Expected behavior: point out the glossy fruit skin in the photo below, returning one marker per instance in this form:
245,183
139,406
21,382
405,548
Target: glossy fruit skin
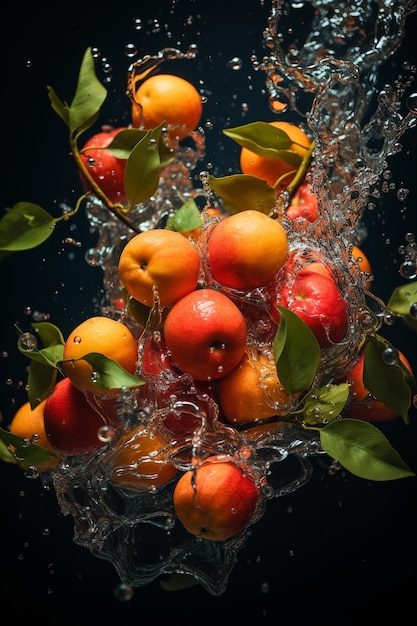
28,422
161,260
252,391
269,169
246,250
167,98
71,424
216,501
317,300
105,336
304,204
364,264
205,334
140,461
106,170
364,406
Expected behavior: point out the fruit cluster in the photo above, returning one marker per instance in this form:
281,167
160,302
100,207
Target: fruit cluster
225,325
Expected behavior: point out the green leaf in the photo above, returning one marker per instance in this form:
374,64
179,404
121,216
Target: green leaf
402,300
265,140
109,374
325,404
139,311
5,455
296,352
363,450
49,333
124,142
388,383
241,192
31,454
89,96
186,218
41,380
177,582
141,177
61,108
25,226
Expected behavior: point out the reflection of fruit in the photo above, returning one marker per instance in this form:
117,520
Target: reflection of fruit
215,501
71,424
206,334
304,204
317,299
246,250
167,98
365,407
30,424
98,334
104,168
141,461
159,263
272,170
252,391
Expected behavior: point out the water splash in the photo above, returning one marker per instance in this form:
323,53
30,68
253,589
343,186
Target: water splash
331,76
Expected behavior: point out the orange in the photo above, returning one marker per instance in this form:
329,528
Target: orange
271,170
159,263
246,250
364,406
98,334
141,461
363,262
170,99
216,500
29,424
252,391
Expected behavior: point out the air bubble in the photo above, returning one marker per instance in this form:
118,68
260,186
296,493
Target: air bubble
390,356
408,269
123,592
28,341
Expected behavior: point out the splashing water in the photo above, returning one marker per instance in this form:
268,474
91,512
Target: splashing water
332,77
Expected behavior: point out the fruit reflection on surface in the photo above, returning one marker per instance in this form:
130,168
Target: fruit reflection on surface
206,334
170,99
103,335
272,170
246,250
105,169
216,500
30,425
159,263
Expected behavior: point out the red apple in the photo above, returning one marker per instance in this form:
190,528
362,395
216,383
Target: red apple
105,169
304,204
317,299
205,334
71,423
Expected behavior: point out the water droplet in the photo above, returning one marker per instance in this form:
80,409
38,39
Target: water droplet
408,269
123,592
235,63
106,433
412,103
28,341
131,50
413,310
390,355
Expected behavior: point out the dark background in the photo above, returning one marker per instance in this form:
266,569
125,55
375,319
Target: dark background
338,550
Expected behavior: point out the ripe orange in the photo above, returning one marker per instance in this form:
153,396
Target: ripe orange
159,263
364,406
363,262
167,98
272,170
205,334
216,500
252,391
246,250
29,424
141,461
98,334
